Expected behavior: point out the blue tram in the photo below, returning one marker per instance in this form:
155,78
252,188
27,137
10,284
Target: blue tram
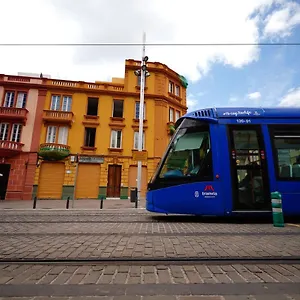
227,161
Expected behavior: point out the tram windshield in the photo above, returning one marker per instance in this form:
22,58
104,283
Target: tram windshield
188,157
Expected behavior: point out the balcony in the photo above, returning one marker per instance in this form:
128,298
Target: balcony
8,148
56,116
53,152
13,114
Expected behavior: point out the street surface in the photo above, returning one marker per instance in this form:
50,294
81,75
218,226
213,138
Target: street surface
131,254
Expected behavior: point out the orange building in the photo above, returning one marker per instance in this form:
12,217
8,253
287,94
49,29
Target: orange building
85,133
21,104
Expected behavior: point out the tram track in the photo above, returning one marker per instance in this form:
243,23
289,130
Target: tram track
153,234
155,261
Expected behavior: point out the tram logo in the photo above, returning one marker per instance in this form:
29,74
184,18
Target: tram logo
209,188
209,192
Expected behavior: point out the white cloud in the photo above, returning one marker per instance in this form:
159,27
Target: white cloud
281,22
168,21
254,96
292,98
192,102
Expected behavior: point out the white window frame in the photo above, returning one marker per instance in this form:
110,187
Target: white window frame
136,114
51,134
21,100
136,140
4,127
55,102
63,133
9,99
177,90
16,131
171,114
114,139
177,115
66,103
171,87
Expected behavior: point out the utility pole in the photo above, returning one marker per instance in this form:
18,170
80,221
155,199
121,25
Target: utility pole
142,73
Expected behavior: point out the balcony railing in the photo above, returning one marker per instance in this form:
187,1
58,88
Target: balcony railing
13,113
9,148
55,146
58,116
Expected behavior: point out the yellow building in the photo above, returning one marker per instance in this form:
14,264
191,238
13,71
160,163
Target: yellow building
90,132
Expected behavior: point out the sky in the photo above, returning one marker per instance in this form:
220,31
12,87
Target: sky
252,75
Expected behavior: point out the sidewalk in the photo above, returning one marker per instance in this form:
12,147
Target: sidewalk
75,204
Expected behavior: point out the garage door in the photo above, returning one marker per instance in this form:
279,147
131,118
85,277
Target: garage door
88,179
133,176
51,180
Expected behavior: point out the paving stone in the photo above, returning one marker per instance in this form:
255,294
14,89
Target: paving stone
202,298
159,298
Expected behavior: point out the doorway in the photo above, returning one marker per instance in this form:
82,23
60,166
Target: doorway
114,181
249,169
4,176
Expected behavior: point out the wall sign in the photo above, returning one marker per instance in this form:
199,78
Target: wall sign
91,159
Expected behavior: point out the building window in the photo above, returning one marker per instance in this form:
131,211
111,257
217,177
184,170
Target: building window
171,115
67,103
171,87
92,107
4,131
118,109
177,115
51,134
63,135
116,139
57,104
136,140
177,90
19,102
60,138
287,148
16,133
137,110
90,137
9,99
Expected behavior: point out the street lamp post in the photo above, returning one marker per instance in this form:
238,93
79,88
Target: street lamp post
143,74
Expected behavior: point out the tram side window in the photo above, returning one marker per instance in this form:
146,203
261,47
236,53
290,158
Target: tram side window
189,156
287,146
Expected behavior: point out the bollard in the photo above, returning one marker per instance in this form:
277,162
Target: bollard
278,220
68,203
34,202
101,203
136,199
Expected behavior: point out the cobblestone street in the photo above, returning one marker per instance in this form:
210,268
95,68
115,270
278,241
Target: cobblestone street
132,254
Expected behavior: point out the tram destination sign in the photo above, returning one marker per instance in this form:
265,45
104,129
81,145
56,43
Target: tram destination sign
91,159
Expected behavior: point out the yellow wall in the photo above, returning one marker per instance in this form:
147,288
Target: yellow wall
105,107
157,116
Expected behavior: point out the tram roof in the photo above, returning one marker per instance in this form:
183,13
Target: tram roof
213,114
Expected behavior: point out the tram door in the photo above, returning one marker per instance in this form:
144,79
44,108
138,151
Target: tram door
249,169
